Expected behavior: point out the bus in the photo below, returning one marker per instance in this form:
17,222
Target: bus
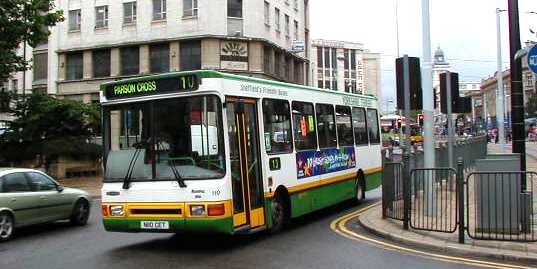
205,151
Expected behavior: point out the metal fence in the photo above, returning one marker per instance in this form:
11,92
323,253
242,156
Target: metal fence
392,191
470,149
499,206
433,203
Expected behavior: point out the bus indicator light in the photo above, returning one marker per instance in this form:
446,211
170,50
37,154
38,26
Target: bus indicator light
106,212
197,210
216,210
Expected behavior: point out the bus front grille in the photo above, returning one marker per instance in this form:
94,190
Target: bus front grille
153,211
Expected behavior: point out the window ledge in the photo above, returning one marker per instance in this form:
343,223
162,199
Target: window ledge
195,17
101,29
235,18
73,31
129,25
159,21
267,25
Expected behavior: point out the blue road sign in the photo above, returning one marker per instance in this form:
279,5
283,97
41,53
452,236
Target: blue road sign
532,59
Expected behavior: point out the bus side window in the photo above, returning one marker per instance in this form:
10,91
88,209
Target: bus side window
326,125
277,126
305,132
373,126
360,126
344,126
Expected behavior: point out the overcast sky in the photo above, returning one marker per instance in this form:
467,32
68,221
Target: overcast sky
464,29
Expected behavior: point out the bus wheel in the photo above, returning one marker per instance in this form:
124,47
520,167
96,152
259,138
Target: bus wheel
279,213
360,188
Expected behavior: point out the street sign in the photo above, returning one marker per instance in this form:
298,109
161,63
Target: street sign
532,59
298,46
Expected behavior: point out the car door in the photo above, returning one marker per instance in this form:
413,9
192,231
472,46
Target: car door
52,203
18,197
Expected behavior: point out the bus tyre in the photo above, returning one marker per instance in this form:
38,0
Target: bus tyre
80,214
360,189
7,226
279,213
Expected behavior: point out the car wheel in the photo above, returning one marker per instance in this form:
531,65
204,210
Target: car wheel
7,225
279,213
80,213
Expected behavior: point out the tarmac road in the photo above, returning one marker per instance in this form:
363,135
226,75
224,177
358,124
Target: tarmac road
307,243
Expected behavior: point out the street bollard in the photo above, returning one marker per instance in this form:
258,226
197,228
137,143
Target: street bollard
460,198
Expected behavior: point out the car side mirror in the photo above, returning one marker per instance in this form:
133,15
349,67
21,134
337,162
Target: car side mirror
59,188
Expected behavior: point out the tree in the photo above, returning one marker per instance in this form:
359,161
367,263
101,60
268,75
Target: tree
50,128
20,21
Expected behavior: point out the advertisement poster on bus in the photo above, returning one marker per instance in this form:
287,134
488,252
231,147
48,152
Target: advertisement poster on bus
314,163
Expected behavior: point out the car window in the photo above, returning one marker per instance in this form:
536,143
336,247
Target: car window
39,182
15,182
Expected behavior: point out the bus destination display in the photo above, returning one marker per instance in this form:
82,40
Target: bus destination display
149,87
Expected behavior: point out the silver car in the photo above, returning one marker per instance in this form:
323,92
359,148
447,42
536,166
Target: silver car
30,196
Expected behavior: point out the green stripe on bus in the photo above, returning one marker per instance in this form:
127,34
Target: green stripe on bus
220,225
373,181
314,199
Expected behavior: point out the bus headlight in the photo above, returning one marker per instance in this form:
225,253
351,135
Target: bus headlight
197,210
117,211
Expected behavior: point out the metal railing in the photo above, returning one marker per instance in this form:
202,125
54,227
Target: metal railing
499,206
433,202
392,191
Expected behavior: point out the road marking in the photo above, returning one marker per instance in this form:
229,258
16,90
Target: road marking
339,226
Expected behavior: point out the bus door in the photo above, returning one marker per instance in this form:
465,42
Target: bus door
246,176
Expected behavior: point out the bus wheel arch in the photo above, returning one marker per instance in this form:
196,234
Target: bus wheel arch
280,209
360,186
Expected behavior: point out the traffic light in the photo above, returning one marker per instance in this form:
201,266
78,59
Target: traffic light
420,120
454,90
415,83
399,123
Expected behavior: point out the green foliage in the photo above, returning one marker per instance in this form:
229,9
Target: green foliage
22,20
50,128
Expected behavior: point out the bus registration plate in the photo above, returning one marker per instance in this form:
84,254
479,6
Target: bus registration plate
155,225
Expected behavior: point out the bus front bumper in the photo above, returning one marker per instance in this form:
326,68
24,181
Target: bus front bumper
169,225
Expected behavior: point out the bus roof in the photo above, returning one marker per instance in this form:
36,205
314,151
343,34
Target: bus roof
215,74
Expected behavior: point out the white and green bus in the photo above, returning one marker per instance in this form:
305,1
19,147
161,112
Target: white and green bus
214,152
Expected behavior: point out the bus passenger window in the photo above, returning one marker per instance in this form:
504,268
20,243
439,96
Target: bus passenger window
373,126
305,133
359,125
344,126
326,126
277,126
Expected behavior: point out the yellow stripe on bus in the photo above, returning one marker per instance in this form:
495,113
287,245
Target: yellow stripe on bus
327,181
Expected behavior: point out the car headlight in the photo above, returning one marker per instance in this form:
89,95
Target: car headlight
117,210
197,210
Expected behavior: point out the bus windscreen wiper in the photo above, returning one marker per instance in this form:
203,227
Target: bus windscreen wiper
178,176
130,169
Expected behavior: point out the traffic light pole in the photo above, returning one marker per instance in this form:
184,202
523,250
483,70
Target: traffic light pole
427,86
450,133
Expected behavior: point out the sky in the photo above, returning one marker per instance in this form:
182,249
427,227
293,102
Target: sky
464,29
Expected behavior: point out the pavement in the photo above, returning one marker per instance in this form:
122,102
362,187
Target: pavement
392,230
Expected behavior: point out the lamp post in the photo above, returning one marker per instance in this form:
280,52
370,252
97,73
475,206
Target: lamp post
499,80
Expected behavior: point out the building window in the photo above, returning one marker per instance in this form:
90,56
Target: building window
190,55
277,126
359,125
40,66
296,31
287,30
234,8
159,10
101,63
75,16
129,13
101,17
267,13
295,4
160,58
190,8
74,63
305,133
277,63
267,63
326,126
344,126
373,126
277,19
130,60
